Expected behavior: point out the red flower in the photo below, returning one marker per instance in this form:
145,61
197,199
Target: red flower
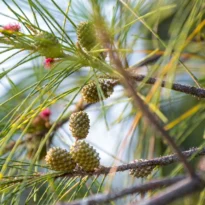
45,114
12,27
48,62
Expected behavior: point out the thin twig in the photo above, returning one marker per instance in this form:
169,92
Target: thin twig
178,190
197,92
160,161
102,198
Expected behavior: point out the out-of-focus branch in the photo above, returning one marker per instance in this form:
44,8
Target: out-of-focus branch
178,190
197,92
102,198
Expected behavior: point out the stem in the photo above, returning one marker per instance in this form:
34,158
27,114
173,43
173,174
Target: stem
102,198
197,92
176,191
160,161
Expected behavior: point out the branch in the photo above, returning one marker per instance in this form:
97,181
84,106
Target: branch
102,198
197,92
178,190
182,188
160,161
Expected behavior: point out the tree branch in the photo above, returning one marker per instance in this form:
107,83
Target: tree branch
195,184
176,191
160,161
102,198
180,189
197,92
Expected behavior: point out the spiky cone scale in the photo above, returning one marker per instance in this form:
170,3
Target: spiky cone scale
85,155
90,91
86,35
48,45
79,124
60,160
141,172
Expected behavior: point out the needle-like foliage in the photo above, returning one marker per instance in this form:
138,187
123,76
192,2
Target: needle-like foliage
134,70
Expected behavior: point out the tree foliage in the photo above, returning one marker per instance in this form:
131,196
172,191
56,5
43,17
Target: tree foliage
136,68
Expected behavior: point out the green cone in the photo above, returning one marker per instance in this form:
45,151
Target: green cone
142,172
90,91
79,124
60,160
86,35
85,155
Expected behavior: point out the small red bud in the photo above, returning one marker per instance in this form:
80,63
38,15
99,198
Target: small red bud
45,114
12,27
48,62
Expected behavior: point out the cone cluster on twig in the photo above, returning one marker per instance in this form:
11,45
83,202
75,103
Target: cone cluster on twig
84,155
141,172
95,91
81,154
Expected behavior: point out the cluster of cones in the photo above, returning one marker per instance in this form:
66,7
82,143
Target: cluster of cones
81,155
